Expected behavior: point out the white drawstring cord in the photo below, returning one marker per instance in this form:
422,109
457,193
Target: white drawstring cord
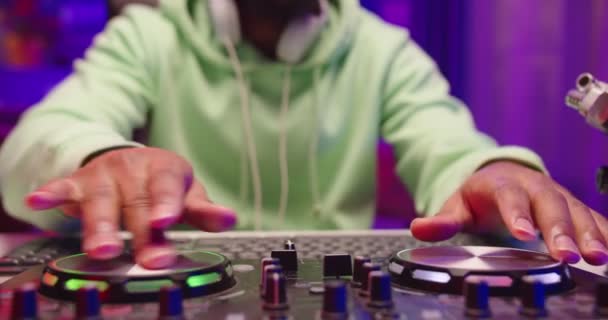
283,161
249,138
314,144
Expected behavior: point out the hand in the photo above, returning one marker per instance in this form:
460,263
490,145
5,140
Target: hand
508,194
146,190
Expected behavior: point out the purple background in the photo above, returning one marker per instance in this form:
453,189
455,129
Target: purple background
511,61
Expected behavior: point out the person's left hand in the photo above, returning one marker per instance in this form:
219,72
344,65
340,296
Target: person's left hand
508,194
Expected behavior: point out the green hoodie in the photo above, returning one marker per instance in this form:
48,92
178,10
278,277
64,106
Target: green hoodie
164,69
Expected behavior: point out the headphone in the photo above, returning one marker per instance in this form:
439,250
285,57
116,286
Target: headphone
295,41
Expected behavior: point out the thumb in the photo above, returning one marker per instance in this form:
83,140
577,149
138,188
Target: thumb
452,218
205,215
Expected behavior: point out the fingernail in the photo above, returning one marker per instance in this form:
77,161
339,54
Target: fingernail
102,246
164,221
567,248
597,247
41,200
524,226
156,258
229,220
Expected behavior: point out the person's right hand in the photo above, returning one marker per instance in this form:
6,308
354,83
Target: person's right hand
144,189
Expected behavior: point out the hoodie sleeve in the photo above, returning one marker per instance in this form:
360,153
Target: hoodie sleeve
435,140
97,107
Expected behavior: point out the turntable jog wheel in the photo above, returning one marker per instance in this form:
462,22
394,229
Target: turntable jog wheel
120,280
444,269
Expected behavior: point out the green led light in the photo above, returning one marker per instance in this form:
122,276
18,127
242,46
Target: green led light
147,286
203,279
75,284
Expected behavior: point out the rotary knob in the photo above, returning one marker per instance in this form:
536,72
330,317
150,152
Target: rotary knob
380,291
533,298
266,262
368,267
334,300
476,295
275,295
268,270
358,272
171,306
601,298
88,303
25,303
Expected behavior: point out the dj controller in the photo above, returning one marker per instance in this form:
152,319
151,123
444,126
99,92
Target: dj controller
301,275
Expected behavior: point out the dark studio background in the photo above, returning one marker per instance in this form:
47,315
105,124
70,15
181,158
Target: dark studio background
511,61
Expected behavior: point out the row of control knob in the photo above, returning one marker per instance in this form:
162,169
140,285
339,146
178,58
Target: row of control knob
88,303
533,296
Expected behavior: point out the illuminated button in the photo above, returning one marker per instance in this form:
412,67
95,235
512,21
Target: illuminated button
76,284
147,285
203,279
49,279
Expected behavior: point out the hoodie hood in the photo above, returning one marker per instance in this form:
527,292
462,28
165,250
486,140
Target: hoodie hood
193,17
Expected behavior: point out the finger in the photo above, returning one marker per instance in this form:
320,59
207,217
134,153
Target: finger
100,219
601,223
167,191
552,216
452,218
588,236
203,214
591,229
136,206
513,204
54,194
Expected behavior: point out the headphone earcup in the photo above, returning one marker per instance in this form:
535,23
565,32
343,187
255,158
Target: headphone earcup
300,35
225,17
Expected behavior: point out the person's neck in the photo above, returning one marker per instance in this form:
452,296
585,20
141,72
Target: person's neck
263,32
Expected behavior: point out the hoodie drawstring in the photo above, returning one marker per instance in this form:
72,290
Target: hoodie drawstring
251,150
249,138
313,148
283,161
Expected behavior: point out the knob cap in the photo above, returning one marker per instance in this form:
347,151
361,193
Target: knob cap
533,298
266,262
171,303
269,269
368,267
380,291
601,298
477,294
25,303
358,274
88,303
334,299
275,297
289,245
